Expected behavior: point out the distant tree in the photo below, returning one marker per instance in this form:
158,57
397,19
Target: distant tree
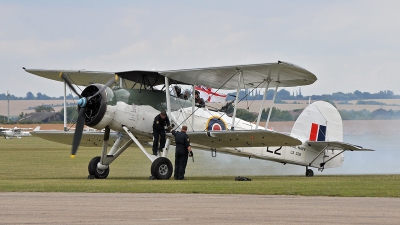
245,115
277,115
30,96
283,94
41,96
72,113
44,108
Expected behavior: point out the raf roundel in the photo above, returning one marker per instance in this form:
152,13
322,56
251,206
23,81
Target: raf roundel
215,124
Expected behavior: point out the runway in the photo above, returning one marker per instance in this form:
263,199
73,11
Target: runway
120,208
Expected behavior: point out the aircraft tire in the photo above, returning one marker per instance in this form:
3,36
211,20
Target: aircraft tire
92,168
309,173
161,168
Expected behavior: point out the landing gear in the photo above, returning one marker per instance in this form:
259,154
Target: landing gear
96,172
309,173
161,168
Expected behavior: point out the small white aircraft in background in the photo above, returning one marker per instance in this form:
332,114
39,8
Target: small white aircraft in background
10,133
316,139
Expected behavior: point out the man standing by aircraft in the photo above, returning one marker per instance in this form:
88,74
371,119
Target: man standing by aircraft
160,121
182,151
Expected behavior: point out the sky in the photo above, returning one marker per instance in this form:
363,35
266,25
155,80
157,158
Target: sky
349,45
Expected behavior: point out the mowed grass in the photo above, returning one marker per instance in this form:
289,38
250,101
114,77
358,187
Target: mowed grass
35,165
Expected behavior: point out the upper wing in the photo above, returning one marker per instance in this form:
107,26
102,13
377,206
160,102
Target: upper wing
335,145
282,74
78,77
242,138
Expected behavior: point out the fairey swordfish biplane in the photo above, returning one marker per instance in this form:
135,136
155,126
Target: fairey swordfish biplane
127,102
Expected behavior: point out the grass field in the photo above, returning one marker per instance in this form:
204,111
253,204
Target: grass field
35,165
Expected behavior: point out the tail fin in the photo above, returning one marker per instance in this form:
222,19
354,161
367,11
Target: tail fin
319,121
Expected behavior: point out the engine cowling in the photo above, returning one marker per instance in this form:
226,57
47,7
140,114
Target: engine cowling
97,114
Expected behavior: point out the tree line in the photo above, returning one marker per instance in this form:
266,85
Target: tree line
286,95
256,94
31,96
285,115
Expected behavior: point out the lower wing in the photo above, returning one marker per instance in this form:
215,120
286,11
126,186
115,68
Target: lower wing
89,139
242,138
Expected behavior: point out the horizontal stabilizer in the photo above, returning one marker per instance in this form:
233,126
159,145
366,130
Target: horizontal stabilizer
242,138
336,145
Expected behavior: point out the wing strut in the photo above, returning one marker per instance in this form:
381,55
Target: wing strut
272,106
65,105
193,103
323,164
262,103
318,154
236,101
167,96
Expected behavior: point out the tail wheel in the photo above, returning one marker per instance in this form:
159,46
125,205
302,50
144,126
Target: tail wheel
97,173
161,168
309,173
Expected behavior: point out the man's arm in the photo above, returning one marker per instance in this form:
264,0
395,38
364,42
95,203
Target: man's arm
156,124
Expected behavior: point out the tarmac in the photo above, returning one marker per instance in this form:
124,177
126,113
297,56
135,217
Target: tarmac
124,208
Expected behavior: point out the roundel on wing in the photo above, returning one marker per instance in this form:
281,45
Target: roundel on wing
215,123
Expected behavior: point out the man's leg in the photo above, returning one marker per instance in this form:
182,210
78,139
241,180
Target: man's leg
176,170
162,140
182,166
155,141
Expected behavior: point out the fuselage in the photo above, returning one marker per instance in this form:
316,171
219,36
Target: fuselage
9,134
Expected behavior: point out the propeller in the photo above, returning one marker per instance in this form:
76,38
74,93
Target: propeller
83,102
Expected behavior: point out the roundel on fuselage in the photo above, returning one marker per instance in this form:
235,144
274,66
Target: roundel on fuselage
215,123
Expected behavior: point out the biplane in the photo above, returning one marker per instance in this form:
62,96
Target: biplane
127,102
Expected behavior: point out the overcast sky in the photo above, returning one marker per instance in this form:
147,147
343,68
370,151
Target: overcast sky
348,45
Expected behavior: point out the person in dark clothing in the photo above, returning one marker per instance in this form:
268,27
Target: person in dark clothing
182,151
186,95
178,92
199,101
160,121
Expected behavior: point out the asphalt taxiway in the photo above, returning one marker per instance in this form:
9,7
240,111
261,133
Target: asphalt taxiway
121,208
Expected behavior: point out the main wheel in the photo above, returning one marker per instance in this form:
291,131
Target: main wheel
161,168
309,173
97,173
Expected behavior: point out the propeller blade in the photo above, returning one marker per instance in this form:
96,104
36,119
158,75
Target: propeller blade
78,131
109,82
66,80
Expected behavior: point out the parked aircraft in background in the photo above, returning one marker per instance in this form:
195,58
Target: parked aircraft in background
316,139
10,133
